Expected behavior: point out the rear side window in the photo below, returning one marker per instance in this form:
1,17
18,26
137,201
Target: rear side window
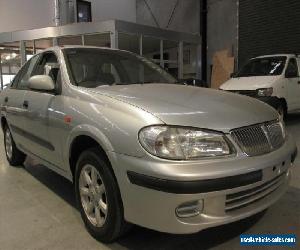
21,79
292,68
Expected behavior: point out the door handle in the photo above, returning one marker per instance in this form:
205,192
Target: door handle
6,99
25,104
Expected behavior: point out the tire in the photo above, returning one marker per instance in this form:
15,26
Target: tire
14,156
103,192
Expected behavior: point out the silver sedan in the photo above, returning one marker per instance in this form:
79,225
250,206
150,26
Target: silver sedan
140,147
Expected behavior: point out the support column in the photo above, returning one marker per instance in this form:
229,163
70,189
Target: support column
33,47
114,40
22,52
141,67
180,60
141,44
1,77
198,62
55,41
161,46
82,40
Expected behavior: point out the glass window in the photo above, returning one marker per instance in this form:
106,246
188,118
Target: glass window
70,40
170,56
10,62
292,68
7,79
43,44
129,42
21,79
100,40
151,49
264,66
91,68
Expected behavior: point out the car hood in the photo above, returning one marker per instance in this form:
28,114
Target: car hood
249,83
192,106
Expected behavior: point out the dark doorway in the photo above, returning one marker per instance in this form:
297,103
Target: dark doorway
84,11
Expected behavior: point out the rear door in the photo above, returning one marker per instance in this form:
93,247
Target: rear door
14,100
293,84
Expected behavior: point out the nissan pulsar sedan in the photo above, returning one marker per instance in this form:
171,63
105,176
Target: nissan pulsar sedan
141,148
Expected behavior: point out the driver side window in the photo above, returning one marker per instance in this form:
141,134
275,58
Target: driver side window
21,79
292,68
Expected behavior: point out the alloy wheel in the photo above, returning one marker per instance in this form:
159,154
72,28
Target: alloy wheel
8,144
93,195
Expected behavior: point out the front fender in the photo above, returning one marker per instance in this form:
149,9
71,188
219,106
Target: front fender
86,130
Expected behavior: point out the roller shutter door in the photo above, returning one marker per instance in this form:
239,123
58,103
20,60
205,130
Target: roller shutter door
268,27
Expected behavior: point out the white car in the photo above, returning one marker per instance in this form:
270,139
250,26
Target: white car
273,79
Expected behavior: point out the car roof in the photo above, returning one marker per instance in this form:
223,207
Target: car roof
60,48
56,48
272,55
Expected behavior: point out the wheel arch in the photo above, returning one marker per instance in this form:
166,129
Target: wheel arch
283,100
3,122
83,138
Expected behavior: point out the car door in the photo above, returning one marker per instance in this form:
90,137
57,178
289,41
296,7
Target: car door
14,100
293,84
38,105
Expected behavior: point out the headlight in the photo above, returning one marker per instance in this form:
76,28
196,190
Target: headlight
183,143
265,92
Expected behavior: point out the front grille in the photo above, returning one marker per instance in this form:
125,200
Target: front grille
251,93
259,139
247,197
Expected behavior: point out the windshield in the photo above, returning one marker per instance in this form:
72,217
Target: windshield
265,66
93,67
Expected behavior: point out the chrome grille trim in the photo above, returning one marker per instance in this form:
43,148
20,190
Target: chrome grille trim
247,197
259,139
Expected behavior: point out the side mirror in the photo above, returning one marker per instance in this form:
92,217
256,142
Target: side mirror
41,82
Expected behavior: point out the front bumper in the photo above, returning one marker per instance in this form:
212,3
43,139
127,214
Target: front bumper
152,189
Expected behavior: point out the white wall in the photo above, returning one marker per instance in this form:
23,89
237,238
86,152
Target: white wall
113,9
25,14
30,14
158,13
